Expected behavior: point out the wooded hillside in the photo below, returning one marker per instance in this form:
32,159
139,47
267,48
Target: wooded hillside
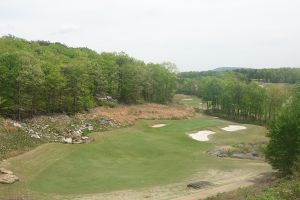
43,77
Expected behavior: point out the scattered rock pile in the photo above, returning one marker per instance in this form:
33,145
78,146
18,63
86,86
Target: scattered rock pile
69,133
7,177
233,153
219,152
63,129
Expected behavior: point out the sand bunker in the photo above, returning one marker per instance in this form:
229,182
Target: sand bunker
158,125
201,135
187,99
232,128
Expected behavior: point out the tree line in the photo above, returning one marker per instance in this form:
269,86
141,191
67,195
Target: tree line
42,77
280,75
231,95
270,75
283,150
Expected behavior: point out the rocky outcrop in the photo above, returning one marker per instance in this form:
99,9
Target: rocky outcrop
7,177
220,152
231,152
71,132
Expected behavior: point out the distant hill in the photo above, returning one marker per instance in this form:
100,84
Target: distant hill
222,69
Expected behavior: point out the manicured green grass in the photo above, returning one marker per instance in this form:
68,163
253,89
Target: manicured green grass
128,158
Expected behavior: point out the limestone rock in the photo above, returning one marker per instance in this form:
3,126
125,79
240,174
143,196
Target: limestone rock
104,121
90,128
36,136
84,137
68,140
16,124
8,178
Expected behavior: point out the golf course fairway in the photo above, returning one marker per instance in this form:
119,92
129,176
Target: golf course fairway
137,158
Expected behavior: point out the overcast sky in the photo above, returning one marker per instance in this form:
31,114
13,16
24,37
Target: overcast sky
194,34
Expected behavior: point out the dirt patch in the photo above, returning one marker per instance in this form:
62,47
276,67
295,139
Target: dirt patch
201,135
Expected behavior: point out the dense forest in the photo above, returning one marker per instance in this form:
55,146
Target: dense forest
280,75
42,77
39,77
272,75
233,95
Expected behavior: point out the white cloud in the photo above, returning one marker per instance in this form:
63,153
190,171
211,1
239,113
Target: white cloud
67,28
195,34
6,29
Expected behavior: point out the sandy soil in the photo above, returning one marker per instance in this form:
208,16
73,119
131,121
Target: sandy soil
201,135
232,128
158,125
187,99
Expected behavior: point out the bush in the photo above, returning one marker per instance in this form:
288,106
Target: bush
283,149
286,190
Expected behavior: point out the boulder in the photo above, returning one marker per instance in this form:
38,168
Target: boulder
84,137
16,124
68,140
90,128
77,133
104,121
199,184
36,136
8,178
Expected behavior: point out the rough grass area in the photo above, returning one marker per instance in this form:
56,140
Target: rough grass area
284,190
13,141
128,114
130,158
267,188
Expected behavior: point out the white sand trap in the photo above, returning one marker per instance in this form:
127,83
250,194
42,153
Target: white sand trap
232,128
158,125
201,135
187,99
